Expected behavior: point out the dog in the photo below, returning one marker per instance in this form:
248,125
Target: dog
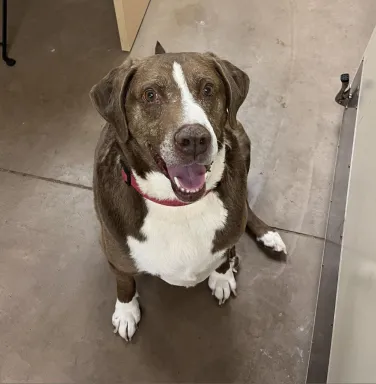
170,175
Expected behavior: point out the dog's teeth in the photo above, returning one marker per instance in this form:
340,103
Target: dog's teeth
185,190
176,180
206,175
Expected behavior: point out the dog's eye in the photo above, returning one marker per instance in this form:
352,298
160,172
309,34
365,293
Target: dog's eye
208,90
150,95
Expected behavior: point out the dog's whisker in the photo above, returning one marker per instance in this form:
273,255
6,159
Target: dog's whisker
225,143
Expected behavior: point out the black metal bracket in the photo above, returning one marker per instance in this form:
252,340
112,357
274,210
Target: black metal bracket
343,95
4,53
347,95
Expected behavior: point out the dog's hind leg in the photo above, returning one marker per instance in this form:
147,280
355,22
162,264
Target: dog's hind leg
266,236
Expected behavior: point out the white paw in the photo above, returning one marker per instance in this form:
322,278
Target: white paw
222,284
126,317
273,240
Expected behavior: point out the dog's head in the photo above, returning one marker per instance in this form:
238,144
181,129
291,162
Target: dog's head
176,106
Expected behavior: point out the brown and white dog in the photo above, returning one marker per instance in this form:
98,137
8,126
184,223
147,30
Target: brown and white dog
170,175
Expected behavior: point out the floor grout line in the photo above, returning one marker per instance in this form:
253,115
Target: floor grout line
48,179
299,233
67,183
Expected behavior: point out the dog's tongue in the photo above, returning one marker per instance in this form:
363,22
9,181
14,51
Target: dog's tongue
190,176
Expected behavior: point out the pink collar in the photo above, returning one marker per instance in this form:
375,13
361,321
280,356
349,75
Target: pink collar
131,181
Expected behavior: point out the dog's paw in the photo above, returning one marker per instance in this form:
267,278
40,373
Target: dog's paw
222,284
126,317
273,241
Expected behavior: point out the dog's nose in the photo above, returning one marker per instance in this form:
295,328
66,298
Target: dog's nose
192,139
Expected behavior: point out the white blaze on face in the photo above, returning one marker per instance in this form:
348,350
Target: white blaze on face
192,111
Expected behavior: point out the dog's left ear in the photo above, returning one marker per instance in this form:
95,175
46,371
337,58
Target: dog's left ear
237,86
159,50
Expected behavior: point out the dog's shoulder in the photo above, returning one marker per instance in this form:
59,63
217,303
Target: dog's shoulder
119,207
232,190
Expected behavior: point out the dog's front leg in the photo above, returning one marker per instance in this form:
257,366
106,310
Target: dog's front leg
222,281
127,310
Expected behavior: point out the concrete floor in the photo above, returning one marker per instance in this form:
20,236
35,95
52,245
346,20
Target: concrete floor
56,292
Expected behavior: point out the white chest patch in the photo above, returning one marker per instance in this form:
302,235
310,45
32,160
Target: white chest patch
179,241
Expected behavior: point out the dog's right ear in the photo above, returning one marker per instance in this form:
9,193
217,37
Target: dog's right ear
159,50
108,97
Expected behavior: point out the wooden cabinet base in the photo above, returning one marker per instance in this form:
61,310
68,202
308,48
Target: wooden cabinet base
129,16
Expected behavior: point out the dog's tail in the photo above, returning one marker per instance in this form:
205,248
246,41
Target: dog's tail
159,50
266,237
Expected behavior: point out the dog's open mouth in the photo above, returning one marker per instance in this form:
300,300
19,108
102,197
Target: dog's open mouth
188,181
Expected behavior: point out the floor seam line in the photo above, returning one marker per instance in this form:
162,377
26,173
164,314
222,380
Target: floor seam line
47,179
299,233
85,187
